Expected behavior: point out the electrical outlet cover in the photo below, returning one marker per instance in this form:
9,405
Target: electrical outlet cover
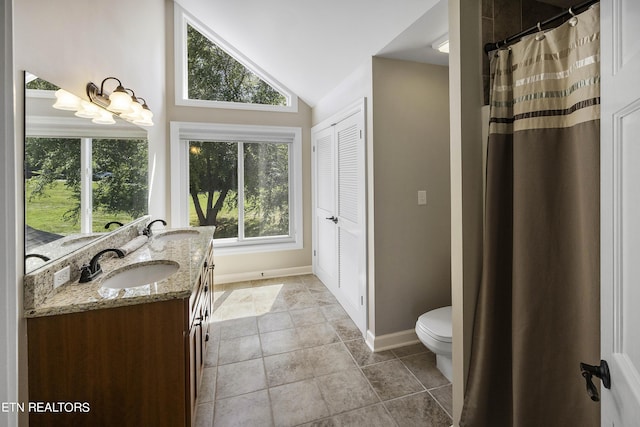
422,197
61,277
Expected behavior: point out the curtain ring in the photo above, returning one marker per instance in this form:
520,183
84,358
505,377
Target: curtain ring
540,35
574,19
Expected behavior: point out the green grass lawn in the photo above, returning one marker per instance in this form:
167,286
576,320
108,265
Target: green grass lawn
228,220
47,213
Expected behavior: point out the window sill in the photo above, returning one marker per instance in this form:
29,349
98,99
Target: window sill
293,108
226,248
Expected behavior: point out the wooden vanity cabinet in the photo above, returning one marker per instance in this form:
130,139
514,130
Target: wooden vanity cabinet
200,329
137,365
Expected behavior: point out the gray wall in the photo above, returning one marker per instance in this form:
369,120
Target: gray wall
410,153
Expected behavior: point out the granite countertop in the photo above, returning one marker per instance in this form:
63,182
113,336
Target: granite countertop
189,253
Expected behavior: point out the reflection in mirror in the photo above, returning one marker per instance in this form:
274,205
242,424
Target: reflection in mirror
82,179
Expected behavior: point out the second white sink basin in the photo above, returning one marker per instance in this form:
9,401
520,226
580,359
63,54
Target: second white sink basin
140,274
176,235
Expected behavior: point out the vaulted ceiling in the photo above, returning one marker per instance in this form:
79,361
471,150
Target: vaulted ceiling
312,46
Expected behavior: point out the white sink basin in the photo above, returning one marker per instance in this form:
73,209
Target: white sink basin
140,274
80,240
176,235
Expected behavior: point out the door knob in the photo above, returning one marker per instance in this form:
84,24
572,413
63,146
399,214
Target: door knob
601,371
333,218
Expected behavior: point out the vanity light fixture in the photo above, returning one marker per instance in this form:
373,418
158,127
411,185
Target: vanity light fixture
120,102
441,44
102,106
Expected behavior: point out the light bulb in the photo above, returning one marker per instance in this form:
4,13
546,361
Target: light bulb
145,119
120,101
134,114
88,110
66,101
105,118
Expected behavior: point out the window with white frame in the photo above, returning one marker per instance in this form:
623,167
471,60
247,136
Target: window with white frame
211,73
245,180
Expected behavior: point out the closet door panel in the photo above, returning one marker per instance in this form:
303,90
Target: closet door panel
326,258
350,214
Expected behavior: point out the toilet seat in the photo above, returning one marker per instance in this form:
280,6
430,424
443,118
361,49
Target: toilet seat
434,330
437,324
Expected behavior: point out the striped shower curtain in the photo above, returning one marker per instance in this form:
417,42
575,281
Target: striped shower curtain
538,310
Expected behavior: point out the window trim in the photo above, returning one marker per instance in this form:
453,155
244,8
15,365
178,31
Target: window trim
181,19
183,132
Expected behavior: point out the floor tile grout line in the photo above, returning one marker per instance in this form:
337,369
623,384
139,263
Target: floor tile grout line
440,404
412,374
423,385
377,395
266,379
380,401
430,390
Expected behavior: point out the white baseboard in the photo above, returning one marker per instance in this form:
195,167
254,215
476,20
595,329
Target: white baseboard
389,341
220,279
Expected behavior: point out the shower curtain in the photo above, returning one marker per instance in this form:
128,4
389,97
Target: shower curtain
538,309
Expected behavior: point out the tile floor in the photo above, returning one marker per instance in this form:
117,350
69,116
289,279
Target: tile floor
285,353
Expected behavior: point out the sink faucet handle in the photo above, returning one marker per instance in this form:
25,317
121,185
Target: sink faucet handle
147,230
89,271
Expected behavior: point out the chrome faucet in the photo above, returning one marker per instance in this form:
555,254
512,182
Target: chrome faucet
147,230
88,272
110,223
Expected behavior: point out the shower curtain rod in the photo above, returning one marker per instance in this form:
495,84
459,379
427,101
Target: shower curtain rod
574,9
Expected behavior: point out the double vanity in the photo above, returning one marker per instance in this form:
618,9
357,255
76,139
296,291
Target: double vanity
129,344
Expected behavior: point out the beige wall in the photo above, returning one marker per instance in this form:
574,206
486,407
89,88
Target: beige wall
411,153
231,265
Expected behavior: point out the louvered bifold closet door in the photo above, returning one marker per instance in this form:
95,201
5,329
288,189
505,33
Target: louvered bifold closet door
350,208
325,181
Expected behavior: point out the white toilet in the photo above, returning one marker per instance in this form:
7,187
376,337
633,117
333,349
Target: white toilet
434,331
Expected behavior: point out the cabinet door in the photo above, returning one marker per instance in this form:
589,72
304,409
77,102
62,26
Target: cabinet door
193,372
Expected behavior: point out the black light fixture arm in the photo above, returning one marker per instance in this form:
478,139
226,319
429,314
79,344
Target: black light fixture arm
569,12
110,78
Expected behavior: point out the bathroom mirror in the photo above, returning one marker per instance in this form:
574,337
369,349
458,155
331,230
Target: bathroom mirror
79,176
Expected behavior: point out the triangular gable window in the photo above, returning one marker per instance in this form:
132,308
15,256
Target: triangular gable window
219,76
214,75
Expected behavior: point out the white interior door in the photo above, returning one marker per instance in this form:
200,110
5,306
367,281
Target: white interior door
620,210
325,246
350,217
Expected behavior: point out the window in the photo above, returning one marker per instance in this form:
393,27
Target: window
60,199
246,180
209,72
